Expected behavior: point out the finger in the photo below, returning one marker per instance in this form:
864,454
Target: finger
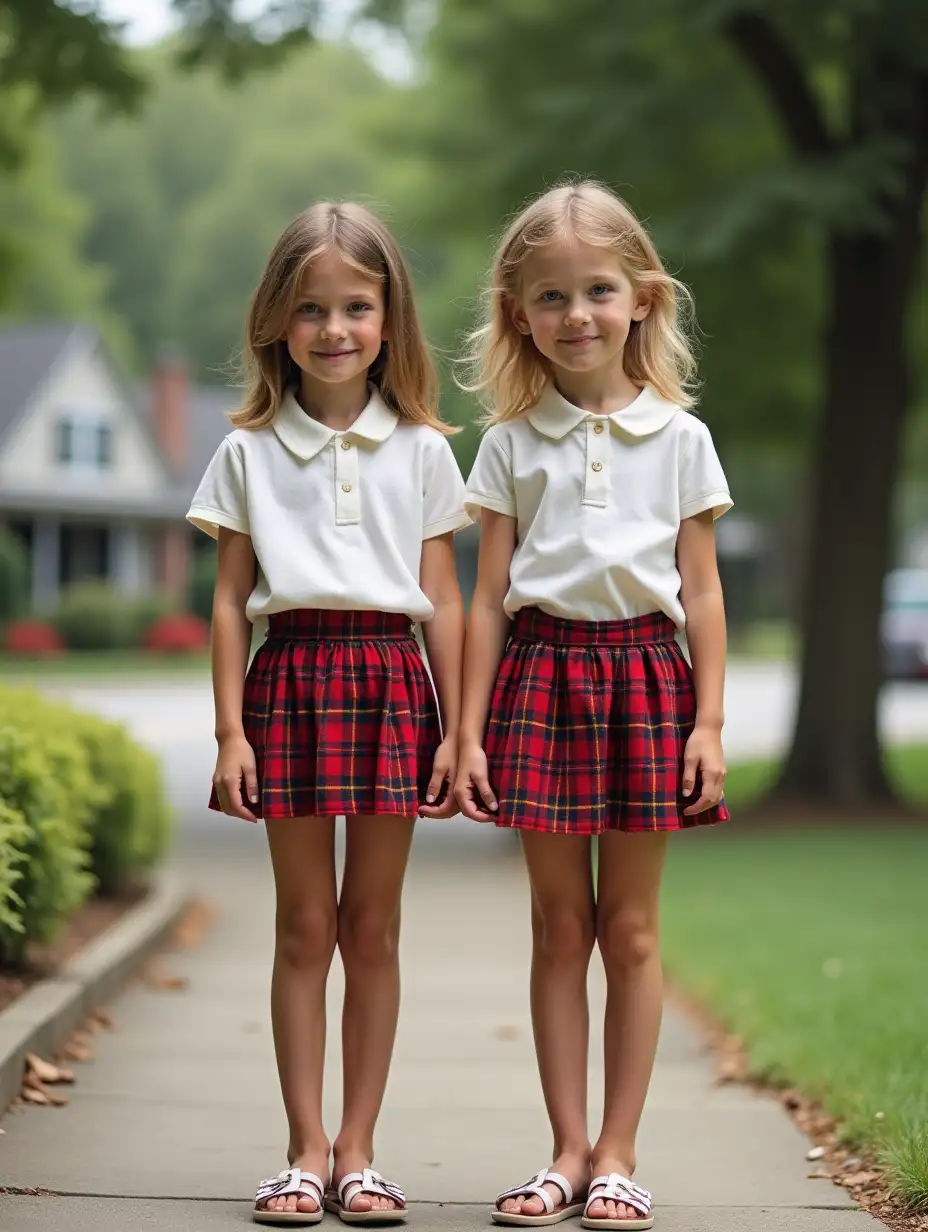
236,807
436,782
704,802
464,794
690,766
251,783
486,793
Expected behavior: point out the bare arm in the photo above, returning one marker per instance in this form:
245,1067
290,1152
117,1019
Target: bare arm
701,595
487,630
444,645
231,641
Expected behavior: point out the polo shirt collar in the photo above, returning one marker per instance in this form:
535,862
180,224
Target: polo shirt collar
305,436
554,416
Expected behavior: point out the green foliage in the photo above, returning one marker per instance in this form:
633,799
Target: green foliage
202,584
14,576
45,781
81,806
94,616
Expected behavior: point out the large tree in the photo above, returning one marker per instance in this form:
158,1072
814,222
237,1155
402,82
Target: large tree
657,94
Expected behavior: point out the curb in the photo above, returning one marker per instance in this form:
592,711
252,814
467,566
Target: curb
41,1020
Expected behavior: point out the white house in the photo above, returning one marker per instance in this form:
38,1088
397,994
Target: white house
96,475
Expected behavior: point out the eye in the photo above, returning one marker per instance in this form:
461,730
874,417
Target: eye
550,297
600,289
359,306
308,307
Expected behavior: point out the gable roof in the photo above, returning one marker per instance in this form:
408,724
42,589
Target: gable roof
28,353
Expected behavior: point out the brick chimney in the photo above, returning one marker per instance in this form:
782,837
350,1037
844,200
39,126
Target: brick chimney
170,398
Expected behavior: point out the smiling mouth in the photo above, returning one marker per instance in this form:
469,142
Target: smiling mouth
334,354
583,340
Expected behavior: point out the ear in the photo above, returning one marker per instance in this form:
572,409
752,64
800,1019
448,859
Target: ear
642,305
517,315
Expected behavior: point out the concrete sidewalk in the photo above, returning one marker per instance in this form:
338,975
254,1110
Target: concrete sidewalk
180,1115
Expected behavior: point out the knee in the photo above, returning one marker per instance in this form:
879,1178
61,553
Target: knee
562,935
626,938
368,936
306,936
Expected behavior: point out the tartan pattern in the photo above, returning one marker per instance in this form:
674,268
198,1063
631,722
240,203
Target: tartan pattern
341,715
588,725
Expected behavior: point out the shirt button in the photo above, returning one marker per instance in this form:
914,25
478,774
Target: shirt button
597,466
597,428
346,444
346,487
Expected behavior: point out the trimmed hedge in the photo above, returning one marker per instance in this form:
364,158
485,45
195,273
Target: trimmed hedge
82,809
14,576
95,616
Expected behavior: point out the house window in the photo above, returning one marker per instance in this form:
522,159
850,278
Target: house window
64,441
84,443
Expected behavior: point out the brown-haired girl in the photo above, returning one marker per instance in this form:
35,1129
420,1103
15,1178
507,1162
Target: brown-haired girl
335,501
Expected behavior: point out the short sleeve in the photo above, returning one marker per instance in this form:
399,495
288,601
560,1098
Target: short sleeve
490,484
702,481
220,500
443,494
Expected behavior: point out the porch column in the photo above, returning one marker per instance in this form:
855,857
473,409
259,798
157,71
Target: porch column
46,562
126,568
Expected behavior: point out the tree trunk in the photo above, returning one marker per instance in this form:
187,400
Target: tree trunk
835,758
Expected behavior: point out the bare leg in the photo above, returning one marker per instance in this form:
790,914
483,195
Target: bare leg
368,938
630,867
303,859
563,934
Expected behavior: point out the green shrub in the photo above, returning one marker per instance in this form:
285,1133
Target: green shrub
45,779
93,616
148,610
202,583
81,805
132,829
14,577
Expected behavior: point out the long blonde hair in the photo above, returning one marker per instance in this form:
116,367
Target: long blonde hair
403,371
507,369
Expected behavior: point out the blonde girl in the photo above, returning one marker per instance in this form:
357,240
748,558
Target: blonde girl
598,490
334,501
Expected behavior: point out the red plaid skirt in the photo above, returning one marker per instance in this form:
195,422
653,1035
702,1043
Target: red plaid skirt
341,715
588,725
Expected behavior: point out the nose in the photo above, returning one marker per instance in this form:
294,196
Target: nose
334,327
577,313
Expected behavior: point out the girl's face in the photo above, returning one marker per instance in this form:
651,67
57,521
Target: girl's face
578,303
339,323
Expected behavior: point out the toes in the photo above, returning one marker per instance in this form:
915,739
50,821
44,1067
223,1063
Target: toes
532,1206
306,1205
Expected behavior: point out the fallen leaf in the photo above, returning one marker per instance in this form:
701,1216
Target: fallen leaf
860,1178
100,1020
819,1175
154,978
506,1032
74,1050
34,1096
46,1071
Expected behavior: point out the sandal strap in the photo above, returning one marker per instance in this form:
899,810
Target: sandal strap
533,1188
618,1188
368,1182
291,1181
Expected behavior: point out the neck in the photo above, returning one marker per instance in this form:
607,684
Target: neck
336,406
601,392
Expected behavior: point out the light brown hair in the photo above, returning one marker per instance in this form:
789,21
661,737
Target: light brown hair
507,369
403,371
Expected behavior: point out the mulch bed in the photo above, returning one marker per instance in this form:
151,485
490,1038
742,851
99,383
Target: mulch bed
856,1171
43,961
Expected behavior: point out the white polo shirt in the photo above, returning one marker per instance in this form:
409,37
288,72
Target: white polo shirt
598,500
337,519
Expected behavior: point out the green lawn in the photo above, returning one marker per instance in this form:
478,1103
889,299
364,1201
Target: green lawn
809,945
99,663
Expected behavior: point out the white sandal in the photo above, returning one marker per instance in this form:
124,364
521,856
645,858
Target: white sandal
616,1188
374,1185
290,1181
534,1189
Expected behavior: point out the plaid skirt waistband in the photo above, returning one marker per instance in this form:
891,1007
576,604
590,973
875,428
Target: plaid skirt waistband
325,624
533,625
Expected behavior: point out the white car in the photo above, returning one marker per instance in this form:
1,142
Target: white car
904,626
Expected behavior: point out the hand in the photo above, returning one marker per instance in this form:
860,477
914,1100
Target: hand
443,772
473,781
703,756
235,767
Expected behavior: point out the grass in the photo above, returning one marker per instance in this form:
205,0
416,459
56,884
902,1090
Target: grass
80,664
807,944
765,639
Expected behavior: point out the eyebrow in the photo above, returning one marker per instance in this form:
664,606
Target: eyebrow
551,284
